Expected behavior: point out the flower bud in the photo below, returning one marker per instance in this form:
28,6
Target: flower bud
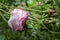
51,11
18,19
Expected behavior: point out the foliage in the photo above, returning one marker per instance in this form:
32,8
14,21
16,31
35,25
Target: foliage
40,25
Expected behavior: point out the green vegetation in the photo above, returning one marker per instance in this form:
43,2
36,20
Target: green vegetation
41,25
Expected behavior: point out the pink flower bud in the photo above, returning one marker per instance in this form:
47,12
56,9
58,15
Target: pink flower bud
51,11
18,19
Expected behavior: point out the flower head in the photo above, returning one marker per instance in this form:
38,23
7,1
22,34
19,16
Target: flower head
18,19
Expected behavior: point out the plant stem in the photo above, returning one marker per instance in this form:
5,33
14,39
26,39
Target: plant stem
3,17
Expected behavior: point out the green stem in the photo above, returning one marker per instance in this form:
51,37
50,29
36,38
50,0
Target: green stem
40,22
33,9
27,8
4,11
3,17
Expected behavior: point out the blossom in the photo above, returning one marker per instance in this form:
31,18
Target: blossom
18,19
51,11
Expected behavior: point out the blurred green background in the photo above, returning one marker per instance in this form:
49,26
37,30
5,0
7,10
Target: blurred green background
40,25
